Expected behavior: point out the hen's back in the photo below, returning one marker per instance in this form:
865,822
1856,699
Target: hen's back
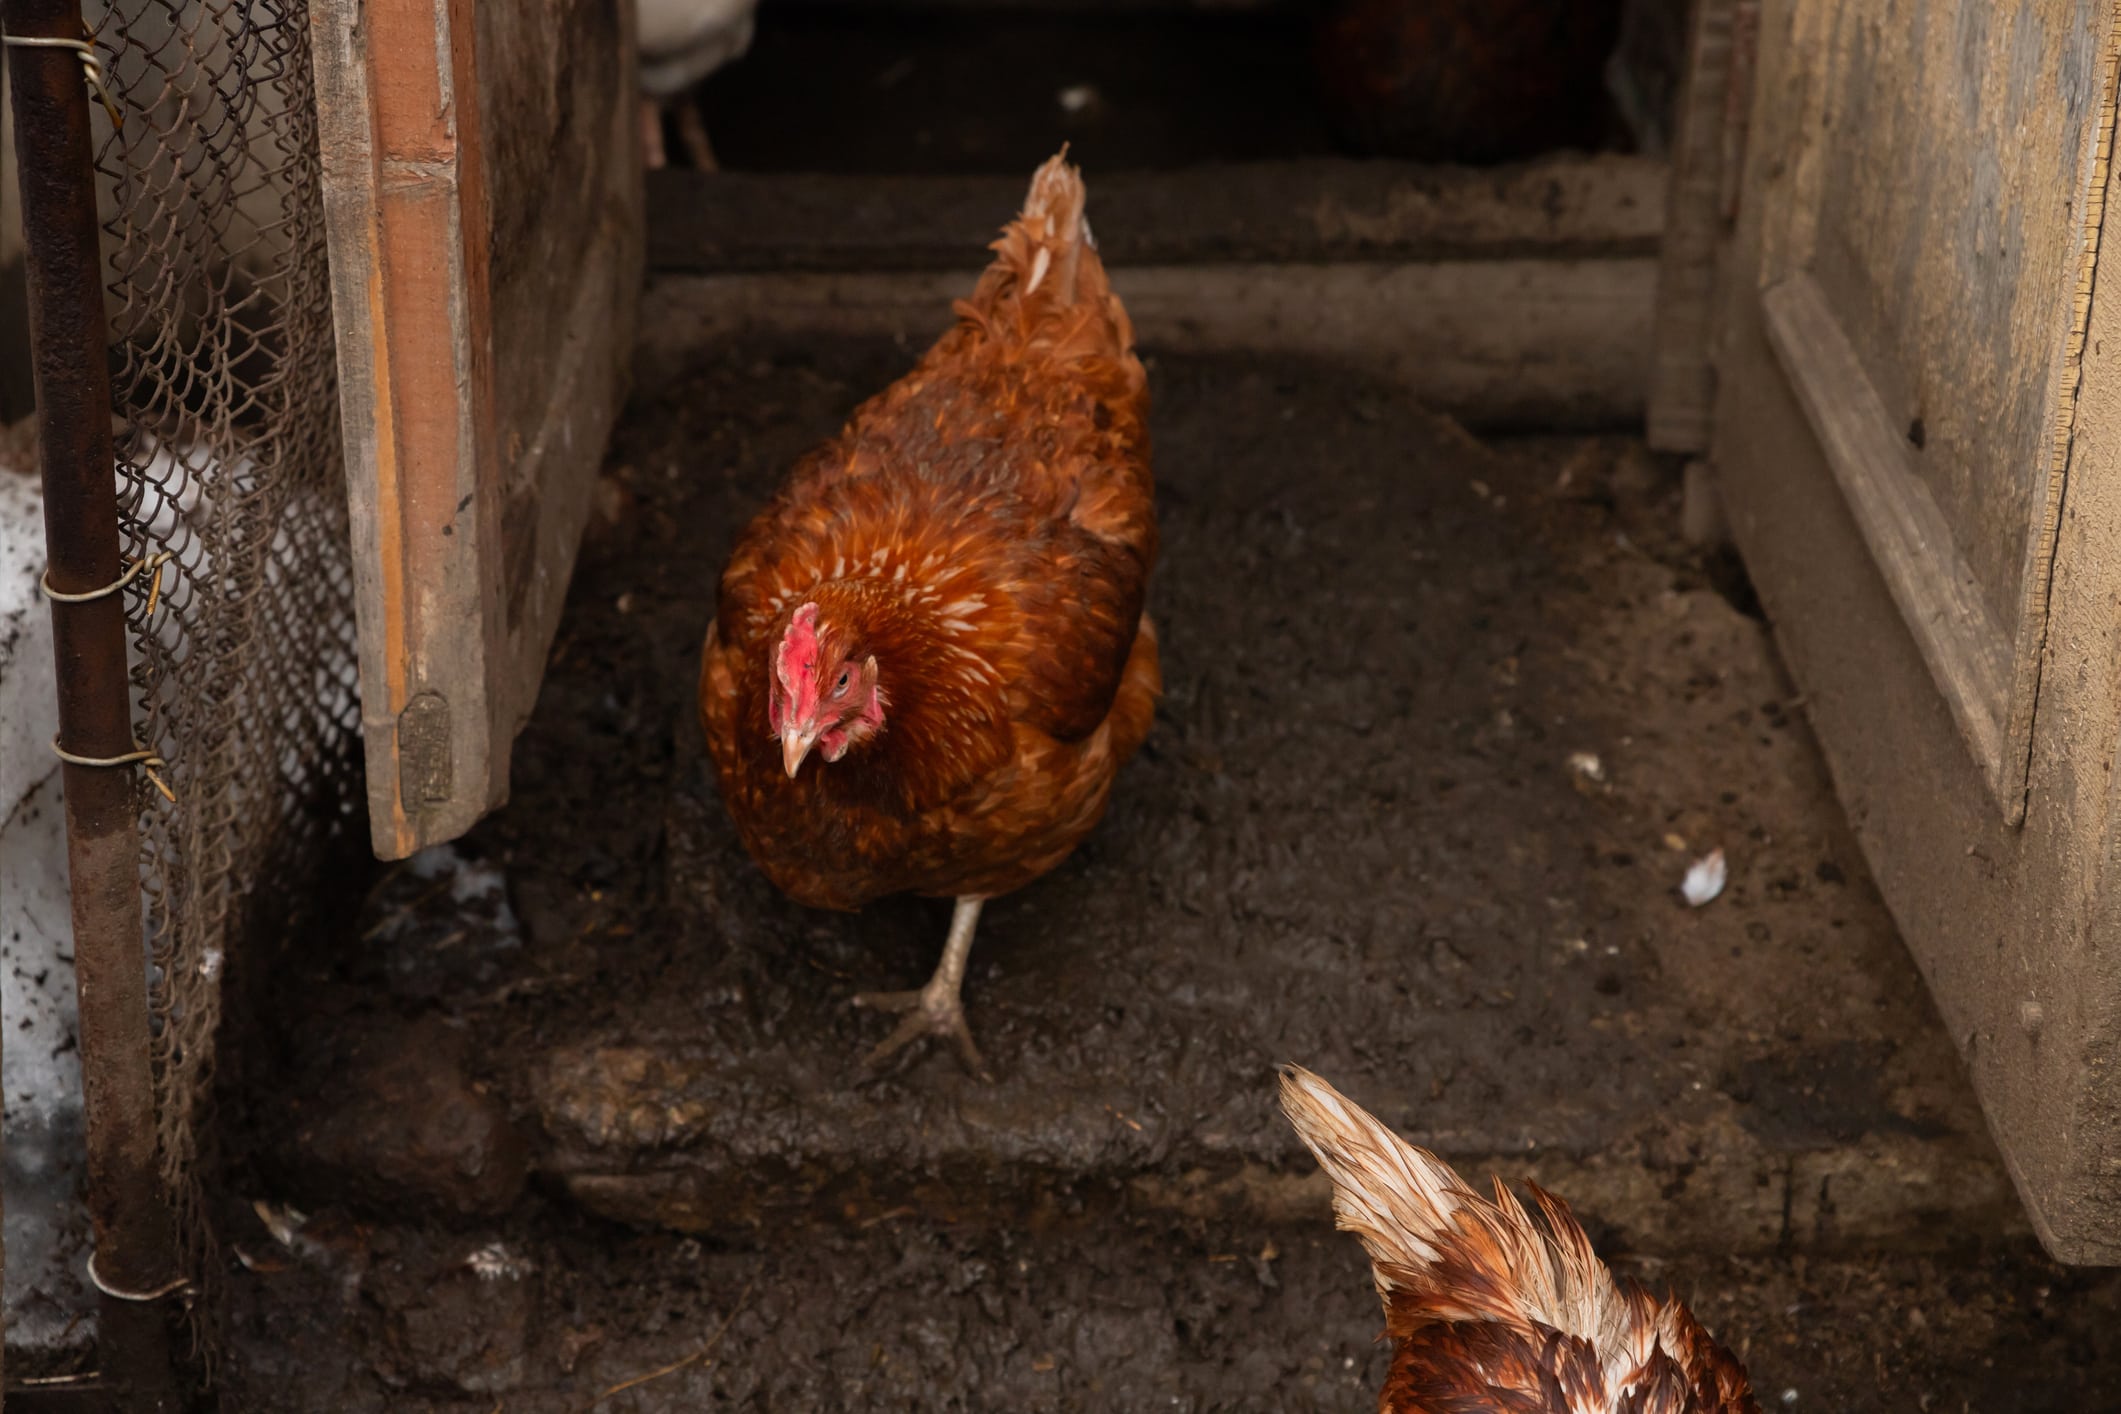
1036,391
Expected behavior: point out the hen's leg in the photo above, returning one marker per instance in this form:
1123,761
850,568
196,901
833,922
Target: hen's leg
692,132
936,1009
652,154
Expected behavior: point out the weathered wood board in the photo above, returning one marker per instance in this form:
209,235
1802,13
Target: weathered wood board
1945,204
1315,212
1683,374
484,211
1951,222
1918,438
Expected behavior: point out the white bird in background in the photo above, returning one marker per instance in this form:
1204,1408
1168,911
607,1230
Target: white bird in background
681,43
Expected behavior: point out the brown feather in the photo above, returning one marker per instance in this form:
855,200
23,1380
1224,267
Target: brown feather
985,528
1492,1309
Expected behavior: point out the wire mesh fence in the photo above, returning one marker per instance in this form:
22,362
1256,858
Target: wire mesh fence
229,462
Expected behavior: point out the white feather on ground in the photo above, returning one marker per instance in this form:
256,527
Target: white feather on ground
1705,879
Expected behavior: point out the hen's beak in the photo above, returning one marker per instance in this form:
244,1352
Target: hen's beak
795,745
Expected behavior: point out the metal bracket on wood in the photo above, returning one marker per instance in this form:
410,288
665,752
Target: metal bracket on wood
134,1247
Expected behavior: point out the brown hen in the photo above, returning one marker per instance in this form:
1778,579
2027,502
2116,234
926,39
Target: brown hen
930,655
1490,1309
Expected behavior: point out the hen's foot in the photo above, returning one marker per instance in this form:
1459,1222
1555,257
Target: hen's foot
931,1011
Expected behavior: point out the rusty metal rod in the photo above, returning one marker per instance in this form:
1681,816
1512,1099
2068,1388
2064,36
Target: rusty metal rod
134,1240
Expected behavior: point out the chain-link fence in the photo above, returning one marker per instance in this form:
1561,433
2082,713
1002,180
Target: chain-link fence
229,462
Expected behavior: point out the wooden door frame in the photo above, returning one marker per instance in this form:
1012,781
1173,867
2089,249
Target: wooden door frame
2017,929
458,587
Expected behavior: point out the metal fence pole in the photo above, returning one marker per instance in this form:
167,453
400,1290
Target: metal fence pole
135,1260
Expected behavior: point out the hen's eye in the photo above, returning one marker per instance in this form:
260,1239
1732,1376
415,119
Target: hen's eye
841,688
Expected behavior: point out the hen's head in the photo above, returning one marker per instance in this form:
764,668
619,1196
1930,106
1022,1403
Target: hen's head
824,691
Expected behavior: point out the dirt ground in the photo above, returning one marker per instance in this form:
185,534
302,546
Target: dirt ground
568,1117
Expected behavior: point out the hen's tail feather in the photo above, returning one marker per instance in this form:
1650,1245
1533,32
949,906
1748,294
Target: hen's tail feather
1438,1250
1394,1197
1047,284
1056,230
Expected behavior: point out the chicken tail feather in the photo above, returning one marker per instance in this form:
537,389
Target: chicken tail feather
1395,1198
1055,230
1440,1251
1047,284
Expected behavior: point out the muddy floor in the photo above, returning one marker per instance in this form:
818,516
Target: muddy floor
568,1116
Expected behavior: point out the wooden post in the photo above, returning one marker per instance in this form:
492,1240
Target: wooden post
1683,371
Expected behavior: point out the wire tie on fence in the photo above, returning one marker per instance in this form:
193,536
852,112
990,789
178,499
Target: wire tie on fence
147,761
91,64
168,1288
153,562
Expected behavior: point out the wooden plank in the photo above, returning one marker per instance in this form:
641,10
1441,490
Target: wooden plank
465,506
1738,99
1968,653
2011,925
1962,292
1683,377
1952,165
563,161
415,408
1496,342
2064,386
1298,212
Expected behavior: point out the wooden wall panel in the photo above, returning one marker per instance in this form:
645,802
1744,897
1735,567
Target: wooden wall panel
1870,265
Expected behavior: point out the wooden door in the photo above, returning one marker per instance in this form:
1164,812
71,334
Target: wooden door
482,194
1917,434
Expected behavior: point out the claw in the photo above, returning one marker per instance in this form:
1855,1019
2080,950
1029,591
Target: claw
927,1013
